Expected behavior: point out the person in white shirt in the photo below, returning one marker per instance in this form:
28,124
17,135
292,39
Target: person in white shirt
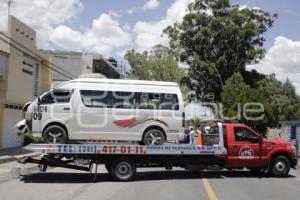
191,135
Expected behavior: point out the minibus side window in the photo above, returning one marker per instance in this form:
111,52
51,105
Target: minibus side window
47,99
62,96
92,98
148,100
169,102
157,101
125,100
129,100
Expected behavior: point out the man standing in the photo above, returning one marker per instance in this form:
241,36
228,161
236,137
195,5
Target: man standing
191,135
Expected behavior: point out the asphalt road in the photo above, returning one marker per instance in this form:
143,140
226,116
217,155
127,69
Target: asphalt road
64,184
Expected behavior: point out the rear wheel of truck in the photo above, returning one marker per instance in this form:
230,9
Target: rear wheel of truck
55,134
280,166
122,169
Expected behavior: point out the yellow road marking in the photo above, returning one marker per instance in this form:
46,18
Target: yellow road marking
209,190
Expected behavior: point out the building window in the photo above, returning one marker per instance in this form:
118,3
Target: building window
2,66
15,107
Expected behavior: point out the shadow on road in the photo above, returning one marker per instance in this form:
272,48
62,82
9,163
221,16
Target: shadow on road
57,177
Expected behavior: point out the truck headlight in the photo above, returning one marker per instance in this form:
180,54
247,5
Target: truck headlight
293,149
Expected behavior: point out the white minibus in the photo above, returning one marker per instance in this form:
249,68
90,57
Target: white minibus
149,112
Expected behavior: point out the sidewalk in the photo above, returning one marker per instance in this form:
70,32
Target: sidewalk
12,154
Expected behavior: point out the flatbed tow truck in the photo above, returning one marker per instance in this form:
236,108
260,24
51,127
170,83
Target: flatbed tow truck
227,146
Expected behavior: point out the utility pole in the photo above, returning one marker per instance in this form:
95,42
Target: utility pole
9,3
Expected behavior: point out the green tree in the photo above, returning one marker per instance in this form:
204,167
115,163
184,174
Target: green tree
270,87
297,108
236,95
158,64
289,89
282,99
231,95
217,40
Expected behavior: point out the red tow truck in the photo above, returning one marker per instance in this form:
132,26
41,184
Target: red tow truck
226,146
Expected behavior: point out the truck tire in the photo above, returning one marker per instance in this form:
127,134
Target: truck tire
122,169
55,134
154,136
280,166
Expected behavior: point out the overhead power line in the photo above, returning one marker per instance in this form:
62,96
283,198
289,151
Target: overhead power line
62,72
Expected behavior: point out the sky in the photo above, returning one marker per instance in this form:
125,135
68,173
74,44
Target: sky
110,27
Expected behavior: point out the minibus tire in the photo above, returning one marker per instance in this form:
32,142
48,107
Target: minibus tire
157,132
55,130
122,169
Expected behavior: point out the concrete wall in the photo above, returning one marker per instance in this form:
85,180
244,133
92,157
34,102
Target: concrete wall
66,62
21,33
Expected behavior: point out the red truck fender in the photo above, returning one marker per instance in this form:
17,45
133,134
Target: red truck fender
279,152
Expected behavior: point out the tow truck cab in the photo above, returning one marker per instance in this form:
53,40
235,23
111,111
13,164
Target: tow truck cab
248,149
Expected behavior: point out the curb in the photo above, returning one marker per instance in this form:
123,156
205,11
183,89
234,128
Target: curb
6,159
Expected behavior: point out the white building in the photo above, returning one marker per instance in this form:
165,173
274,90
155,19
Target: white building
95,63
71,65
24,74
67,64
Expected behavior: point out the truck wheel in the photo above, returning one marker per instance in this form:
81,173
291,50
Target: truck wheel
154,137
122,169
55,134
280,166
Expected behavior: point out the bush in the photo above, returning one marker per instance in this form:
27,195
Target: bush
28,139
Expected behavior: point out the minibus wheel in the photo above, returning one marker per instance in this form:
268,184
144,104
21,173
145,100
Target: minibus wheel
55,134
154,136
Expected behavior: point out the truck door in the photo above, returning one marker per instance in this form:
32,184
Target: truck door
244,149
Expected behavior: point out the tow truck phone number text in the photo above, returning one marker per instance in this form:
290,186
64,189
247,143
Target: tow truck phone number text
122,149
102,149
